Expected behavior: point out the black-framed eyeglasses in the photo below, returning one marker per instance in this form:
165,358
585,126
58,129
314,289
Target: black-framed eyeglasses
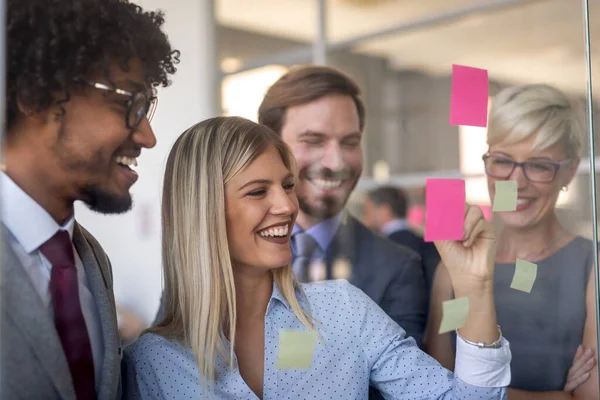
138,106
541,171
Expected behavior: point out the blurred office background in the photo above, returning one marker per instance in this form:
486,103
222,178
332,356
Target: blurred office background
399,51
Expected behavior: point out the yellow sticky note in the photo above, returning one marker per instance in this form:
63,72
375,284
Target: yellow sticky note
455,313
505,198
296,349
525,274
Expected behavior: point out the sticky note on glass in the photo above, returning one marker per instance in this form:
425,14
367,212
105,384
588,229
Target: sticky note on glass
296,349
505,197
525,274
469,99
444,209
455,313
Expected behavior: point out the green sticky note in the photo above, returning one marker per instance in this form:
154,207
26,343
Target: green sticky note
455,313
505,198
525,274
296,349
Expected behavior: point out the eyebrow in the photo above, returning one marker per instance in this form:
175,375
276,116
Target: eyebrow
321,134
265,181
543,158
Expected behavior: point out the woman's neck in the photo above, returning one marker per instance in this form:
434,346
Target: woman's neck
536,242
253,292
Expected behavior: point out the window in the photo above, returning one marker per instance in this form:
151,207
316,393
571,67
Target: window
242,93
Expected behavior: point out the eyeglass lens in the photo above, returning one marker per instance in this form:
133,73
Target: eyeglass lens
502,167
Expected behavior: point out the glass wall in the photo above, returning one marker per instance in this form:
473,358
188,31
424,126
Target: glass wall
401,54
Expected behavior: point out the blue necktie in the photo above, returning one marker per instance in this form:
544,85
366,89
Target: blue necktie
305,247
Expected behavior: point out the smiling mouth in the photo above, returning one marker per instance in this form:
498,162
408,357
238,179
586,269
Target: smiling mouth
327,184
275,232
125,164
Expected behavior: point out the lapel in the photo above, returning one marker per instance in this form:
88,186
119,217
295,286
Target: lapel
97,269
344,246
23,306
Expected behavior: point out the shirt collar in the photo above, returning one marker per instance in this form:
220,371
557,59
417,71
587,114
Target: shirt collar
394,226
28,222
324,231
278,297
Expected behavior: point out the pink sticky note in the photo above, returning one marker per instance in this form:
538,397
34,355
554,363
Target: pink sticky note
445,209
469,100
487,211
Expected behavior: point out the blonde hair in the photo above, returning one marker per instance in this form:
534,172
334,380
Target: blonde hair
517,113
199,295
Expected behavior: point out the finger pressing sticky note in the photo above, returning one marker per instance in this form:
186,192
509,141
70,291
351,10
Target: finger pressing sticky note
296,349
455,313
525,274
505,196
469,99
444,209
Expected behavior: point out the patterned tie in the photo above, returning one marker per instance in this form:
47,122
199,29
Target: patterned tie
68,317
305,246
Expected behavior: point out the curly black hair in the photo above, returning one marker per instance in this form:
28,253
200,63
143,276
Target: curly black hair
50,44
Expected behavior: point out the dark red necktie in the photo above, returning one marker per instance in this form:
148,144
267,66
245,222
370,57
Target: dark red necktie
68,317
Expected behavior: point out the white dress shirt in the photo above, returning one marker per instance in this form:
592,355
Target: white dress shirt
29,227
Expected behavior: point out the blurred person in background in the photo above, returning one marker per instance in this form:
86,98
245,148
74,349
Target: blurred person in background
385,211
230,291
79,88
534,138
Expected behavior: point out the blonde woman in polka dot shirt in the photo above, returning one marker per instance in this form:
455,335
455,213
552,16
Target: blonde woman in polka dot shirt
228,211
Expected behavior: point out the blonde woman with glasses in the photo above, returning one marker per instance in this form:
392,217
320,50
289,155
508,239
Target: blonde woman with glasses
534,138
228,210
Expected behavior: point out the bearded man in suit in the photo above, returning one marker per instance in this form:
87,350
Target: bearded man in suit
80,93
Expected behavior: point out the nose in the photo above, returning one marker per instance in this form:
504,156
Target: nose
143,134
284,203
333,157
519,175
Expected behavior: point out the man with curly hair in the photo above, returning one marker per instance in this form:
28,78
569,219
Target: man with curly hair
81,76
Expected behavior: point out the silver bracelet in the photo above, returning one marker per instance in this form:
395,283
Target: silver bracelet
494,345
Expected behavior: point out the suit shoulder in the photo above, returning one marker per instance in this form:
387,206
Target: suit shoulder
387,248
379,251
91,239
407,234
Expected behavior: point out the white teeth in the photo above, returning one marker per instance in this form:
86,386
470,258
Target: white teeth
520,202
275,232
324,184
127,161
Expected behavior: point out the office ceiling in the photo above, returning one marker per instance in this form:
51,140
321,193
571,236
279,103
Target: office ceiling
532,41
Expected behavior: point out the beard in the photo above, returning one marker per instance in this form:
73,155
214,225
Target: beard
97,197
321,209
104,202
325,207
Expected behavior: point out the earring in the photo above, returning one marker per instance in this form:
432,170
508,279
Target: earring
564,188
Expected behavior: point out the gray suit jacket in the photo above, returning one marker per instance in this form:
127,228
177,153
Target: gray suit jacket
33,364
